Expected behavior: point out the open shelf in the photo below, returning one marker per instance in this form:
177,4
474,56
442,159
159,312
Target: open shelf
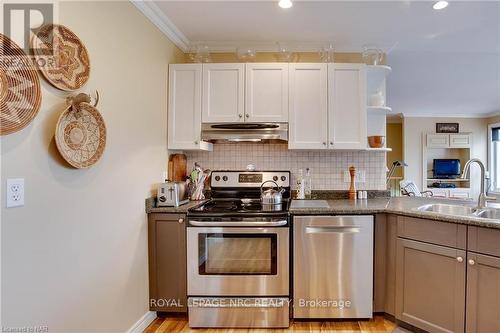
447,180
379,149
379,109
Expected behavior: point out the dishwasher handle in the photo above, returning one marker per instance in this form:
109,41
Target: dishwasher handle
340,229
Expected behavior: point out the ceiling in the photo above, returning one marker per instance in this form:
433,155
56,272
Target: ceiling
444,62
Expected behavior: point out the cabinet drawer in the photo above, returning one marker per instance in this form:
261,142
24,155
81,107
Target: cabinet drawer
438,140
440,233
484,240
439,193
459,194
460,140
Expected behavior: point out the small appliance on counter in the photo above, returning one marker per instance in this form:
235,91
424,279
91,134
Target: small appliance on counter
172,194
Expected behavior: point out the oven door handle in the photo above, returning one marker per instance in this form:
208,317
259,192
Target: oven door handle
277,223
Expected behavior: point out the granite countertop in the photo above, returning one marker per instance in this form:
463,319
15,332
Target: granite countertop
405,206
152,208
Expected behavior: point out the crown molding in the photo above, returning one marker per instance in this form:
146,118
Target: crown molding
162,22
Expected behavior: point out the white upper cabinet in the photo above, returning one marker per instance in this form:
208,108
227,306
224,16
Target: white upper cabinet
223,93
266,98
308,117
347,115
184,107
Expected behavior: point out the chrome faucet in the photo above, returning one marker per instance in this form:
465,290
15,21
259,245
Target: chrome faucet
483,198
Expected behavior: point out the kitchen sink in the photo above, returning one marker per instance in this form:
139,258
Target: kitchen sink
488,213
485,213
447,209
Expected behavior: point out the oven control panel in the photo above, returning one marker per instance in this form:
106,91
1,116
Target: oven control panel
249,178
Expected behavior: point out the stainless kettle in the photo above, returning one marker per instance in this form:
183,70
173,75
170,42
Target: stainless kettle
271,196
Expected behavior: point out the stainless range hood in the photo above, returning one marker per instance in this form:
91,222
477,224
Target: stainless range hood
244,132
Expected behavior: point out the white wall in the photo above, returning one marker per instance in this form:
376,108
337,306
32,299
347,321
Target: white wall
414,127
75,256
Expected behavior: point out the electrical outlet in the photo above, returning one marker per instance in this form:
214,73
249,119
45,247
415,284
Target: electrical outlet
15,192
360,176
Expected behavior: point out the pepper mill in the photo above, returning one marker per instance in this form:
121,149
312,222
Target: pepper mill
352,188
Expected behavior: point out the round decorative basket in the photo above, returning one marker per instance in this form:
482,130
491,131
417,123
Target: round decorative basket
20,95
61,57
81,135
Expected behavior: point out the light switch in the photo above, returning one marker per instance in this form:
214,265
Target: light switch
15,192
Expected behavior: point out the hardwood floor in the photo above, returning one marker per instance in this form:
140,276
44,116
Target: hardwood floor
376,325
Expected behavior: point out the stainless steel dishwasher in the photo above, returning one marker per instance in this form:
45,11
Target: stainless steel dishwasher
333,266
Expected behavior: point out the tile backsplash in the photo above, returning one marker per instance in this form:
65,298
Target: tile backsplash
327,167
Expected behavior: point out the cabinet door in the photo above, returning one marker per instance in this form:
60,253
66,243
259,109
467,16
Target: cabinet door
438,140
430,286
460,140
347,106
483,291
167,262
266,97
308,118
223,92
184,106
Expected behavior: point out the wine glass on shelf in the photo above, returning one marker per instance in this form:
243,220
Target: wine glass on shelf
246,54
326,53
285,53
372,55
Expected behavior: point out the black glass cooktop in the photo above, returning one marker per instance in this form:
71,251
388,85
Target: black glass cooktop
226,207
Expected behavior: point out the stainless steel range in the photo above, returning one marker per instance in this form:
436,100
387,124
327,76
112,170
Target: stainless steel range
238,253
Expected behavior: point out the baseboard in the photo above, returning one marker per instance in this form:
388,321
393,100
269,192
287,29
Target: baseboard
143,323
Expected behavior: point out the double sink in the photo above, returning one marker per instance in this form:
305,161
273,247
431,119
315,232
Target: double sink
485,213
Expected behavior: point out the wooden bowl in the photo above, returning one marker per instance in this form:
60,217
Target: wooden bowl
376,141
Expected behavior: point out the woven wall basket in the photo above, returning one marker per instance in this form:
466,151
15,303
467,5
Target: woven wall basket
20,95
61,57
81,135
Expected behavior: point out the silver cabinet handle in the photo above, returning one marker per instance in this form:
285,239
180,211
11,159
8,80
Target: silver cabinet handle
331,143
247,115
460,259
472,262
240,115
196,142
181,220
332,229
324,143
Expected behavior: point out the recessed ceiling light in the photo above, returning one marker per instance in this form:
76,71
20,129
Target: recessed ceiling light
440,5
285,3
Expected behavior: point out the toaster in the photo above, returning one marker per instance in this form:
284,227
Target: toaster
172,194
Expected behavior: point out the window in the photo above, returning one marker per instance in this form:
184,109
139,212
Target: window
494,157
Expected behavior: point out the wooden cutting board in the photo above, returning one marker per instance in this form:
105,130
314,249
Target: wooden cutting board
177,167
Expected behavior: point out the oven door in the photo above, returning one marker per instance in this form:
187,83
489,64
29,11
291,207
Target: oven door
231,261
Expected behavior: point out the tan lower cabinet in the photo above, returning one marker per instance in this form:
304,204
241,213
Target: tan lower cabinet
167,262
430,286
483,294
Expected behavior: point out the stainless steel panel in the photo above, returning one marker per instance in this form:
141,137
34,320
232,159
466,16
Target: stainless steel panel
333,267
238,285
249,223
239,312
217,178
240,132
